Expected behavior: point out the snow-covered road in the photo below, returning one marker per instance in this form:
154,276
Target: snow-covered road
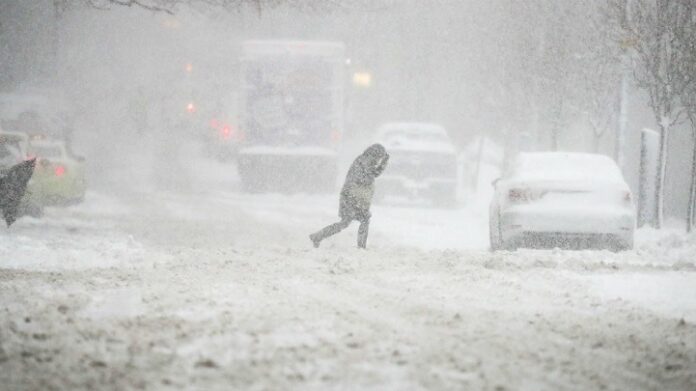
221,290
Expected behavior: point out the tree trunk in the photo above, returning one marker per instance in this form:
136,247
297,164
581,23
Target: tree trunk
691,213
595,142
623,116
556,126
661,173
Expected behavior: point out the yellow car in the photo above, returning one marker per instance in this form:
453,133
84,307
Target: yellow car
59,177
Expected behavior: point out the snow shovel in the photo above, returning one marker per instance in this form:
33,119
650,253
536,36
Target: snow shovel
12,188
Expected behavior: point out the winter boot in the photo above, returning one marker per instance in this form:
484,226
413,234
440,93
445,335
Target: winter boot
315,240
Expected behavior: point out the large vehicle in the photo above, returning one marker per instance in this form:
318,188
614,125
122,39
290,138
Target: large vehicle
291,115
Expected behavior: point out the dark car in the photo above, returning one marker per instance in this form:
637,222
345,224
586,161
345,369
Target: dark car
423,163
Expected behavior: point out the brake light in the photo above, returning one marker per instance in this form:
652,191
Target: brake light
191,108
226,132
59,170
335,136
516,195
524,195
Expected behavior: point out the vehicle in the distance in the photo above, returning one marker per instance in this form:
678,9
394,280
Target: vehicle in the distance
59,177
562,199
422,164
291,115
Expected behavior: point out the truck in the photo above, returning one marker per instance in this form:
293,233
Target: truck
290,115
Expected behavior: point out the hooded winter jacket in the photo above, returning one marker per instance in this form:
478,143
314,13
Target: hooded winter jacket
358,189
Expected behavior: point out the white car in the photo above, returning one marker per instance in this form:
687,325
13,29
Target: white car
559,199
422,164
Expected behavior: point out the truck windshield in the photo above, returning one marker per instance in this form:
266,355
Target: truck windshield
289,100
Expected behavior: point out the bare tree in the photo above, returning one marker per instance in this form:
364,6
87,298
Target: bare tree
690,102
652,30
601,73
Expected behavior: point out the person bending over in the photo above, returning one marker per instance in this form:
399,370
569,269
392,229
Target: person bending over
356,195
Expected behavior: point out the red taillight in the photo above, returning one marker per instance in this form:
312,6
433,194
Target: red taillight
516,195
335,136
191,108
59,170
226,132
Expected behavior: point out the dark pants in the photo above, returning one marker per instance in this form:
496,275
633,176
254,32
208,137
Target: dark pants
343,224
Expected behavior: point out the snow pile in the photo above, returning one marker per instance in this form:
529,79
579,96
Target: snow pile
667,246
79,237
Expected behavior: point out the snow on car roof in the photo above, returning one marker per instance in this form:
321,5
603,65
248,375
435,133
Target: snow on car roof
566,166
414,136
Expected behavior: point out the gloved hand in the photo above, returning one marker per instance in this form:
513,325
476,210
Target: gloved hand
383,161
